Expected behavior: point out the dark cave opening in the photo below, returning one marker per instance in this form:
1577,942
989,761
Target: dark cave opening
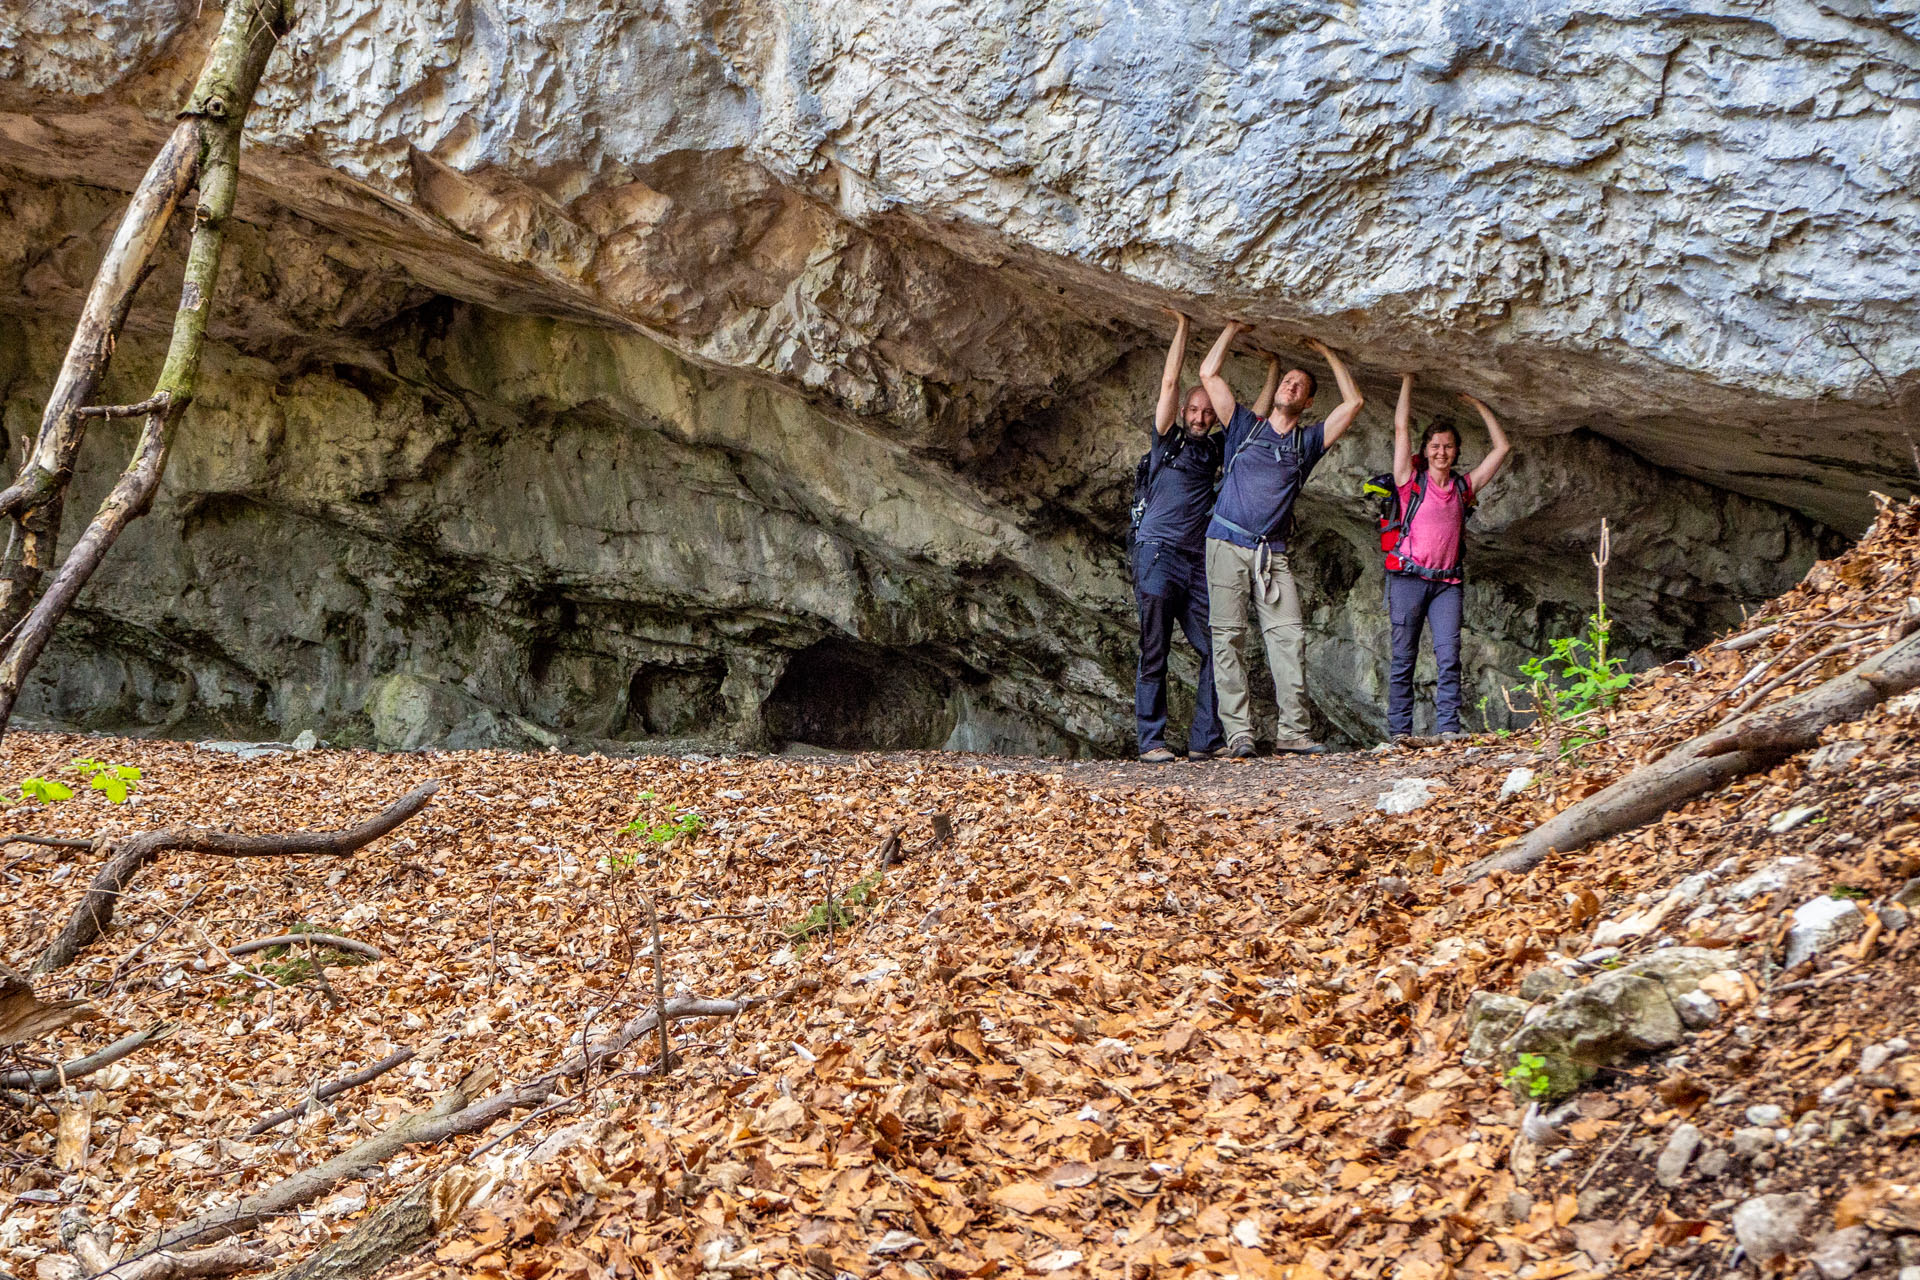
860,697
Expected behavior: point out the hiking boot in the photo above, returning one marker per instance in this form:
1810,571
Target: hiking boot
1159,755
1218,753
1453,735
1300,746
1240,748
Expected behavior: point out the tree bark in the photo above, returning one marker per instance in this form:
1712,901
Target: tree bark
331,1090
1758,740
94,914
204,148
52,1078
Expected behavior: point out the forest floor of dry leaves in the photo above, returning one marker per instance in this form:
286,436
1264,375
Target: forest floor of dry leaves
1204,1021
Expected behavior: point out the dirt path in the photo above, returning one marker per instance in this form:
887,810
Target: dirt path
1287,791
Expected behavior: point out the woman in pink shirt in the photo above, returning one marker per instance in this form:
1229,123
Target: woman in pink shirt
1426,589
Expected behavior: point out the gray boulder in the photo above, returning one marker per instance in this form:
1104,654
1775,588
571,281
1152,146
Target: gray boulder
410,712
1629,1010
1820,925
1490,1020
1838,1255
1770,1227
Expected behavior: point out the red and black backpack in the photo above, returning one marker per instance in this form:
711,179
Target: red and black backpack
1395,522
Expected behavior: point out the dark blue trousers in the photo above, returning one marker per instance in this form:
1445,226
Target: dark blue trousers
1412,604
1170,585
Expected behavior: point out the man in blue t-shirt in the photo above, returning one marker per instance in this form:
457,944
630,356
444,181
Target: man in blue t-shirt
1267,462
1169,554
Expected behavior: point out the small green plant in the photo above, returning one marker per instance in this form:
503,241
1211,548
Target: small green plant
837,911
1577,674
1528,1074
43,791
1848,891
289,967
118,781
680,822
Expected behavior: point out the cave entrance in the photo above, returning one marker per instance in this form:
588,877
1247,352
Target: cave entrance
859,697
673,702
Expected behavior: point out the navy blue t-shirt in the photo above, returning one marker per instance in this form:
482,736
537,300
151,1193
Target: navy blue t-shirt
1181,494
1260,487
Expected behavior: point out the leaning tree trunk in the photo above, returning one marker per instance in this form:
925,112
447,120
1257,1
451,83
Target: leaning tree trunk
204,149
1747,743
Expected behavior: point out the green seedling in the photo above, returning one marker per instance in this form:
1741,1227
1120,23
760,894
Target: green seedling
681,822
117,781
836,912
1577,675
1528,1074
42,791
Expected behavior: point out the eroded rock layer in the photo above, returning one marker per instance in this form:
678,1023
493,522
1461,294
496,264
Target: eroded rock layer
762,373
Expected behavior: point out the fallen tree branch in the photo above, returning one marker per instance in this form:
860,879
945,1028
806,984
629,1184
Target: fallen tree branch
453,1114
1794,673
333,1089
54,1078
332,940
94,914
1756,740
220,1260
1748,639
51,842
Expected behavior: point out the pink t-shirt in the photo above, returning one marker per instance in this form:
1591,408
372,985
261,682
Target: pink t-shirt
1433,539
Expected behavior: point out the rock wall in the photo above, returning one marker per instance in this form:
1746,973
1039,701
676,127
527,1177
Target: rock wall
754,372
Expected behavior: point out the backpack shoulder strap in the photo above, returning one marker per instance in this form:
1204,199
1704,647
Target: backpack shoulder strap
1244,446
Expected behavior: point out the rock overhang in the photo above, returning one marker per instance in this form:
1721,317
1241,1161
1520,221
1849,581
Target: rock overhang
946,236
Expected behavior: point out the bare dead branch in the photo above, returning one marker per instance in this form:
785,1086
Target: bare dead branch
56,1077
660,989
453,1114
51,842
333,940
95,912
151,404
333,1089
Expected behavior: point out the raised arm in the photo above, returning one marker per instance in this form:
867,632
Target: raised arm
1403,432
1496,457
1350,398
1263,407
1218,392
1169,407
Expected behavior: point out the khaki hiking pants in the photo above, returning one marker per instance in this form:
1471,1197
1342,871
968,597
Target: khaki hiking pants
1235,576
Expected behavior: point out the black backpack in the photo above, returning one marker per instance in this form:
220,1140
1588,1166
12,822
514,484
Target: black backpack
1144,472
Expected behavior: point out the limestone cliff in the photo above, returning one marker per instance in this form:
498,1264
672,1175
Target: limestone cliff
769,372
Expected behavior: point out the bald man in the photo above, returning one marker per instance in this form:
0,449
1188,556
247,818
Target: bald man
1169,554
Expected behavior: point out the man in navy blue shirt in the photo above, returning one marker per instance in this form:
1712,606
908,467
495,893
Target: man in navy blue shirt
1169,555
1267,462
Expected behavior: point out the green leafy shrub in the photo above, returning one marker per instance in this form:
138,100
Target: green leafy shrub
43,791
1576,675
1529,1075
118,781
837,911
